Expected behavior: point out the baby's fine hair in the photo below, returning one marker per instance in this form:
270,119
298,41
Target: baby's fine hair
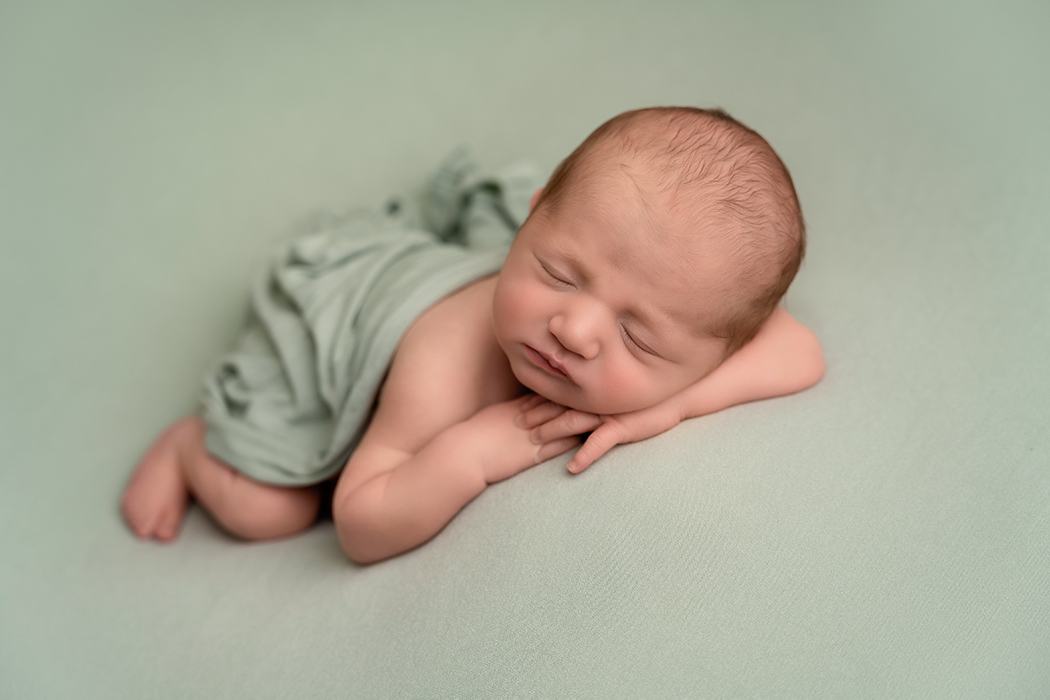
722,179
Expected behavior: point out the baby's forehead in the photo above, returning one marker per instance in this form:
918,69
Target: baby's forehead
642,223
681,199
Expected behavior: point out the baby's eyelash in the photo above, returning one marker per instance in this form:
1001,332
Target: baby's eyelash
631,341
554,277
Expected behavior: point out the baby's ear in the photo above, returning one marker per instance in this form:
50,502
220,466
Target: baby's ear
535,198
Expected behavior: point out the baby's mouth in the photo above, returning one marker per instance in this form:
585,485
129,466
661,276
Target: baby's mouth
548,364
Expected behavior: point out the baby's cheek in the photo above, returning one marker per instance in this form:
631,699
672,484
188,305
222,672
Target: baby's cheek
513,308
624,389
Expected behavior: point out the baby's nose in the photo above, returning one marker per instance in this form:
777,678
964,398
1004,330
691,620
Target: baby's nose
577,334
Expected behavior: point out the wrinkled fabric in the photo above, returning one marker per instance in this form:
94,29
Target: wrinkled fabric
288,405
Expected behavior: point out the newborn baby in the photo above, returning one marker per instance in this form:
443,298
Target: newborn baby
642,289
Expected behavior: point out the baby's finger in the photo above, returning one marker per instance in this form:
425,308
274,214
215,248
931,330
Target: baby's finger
555,448
539,414
529,402
567,423
598,443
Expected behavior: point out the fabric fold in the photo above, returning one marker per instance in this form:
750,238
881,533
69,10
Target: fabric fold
290,402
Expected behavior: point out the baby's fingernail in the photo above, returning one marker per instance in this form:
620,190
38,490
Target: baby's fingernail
534,437
519,420
572,466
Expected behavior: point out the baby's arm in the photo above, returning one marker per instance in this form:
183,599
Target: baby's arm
390,500
783,358
443,430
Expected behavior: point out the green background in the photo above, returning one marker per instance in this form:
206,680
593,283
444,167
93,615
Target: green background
886,534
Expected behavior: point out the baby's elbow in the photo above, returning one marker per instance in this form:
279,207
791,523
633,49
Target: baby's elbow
362,555
359,550
799,362
811,359
356,528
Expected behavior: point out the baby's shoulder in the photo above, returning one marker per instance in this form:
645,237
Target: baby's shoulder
447,367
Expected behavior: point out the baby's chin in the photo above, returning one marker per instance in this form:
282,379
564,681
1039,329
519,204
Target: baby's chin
564,398
613,407
582,400
602,406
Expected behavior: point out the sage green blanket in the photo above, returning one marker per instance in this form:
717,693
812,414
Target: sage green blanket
290,403
885,534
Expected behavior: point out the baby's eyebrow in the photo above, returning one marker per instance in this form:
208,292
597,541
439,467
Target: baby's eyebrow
564,261
571,258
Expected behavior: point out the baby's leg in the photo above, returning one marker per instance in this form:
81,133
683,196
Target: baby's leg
178,466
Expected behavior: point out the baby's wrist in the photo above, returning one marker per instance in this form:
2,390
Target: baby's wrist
461,458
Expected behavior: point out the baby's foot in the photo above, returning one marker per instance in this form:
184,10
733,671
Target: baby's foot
156,496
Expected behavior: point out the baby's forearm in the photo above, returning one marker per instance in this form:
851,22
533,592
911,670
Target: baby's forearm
785,357
404,507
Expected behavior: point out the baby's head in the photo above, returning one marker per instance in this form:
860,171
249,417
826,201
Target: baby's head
657,249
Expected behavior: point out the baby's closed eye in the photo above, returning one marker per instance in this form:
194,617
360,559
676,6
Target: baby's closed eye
554,276
632,340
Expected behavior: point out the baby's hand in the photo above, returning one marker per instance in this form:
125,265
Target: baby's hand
548,421
505,448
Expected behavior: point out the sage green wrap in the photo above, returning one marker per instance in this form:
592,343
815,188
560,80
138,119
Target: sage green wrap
288,405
